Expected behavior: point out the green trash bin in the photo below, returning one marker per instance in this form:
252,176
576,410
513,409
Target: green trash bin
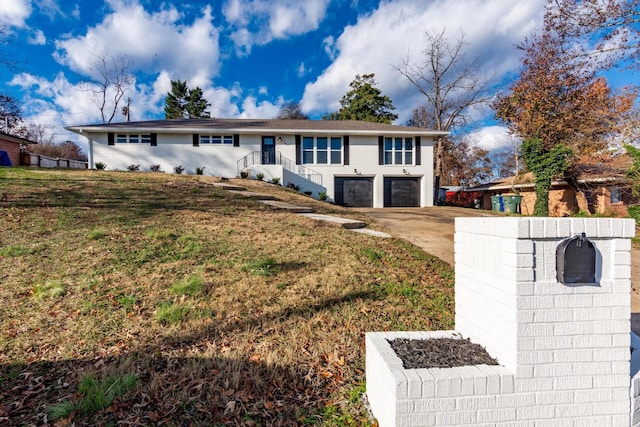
511,203
495,203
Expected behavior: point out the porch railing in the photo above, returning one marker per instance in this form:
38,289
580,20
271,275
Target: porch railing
257,158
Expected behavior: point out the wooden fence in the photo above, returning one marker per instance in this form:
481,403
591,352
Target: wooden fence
29,159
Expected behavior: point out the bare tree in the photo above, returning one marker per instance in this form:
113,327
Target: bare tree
291,110
110,80
451,86
598,33
42,134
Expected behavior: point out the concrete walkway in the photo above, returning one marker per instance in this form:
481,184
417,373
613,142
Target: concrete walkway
269,200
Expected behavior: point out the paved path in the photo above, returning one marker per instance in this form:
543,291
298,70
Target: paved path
431,229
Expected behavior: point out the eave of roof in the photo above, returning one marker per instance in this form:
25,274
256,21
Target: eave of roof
16,139
255,126
506,186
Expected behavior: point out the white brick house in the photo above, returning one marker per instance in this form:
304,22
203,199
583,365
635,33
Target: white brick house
354,163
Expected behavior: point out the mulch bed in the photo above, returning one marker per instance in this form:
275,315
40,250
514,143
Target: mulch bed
440,353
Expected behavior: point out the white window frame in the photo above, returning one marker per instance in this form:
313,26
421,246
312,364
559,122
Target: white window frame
399,151
216,139
133,138
325,151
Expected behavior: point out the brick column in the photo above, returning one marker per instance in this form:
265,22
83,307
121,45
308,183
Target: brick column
567,345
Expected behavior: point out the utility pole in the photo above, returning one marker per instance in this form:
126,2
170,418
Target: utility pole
126,110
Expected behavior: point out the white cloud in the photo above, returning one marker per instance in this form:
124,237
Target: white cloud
301,70
58,103
251,108
494,138
14,12
50,8
37,38
258,22
380,40
156,42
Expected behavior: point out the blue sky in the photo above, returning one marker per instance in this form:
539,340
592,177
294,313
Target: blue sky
248,56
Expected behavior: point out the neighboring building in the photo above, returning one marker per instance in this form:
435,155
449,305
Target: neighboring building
603,189
456,195
354,163
11,145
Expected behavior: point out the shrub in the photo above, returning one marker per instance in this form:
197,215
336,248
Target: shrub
154,168
322,195
260,176
244,174
293,186
634,212
275,180
133,168
200,171
178,169
100,166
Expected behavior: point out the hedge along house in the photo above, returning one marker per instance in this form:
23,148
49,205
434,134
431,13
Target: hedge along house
357,164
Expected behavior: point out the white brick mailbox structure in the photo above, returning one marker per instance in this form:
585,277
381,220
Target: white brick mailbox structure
563,349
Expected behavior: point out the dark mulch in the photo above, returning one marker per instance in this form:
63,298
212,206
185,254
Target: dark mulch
440,353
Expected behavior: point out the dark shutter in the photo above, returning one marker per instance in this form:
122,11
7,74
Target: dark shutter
345,144
154,139
196,140
418,160
298,149
381,150
236,140
111,138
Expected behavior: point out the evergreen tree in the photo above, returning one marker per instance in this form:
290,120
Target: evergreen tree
197,105
186,103
175,104
364,102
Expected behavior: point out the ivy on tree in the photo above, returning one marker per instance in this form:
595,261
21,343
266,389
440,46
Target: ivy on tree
185,103
364,102
546,164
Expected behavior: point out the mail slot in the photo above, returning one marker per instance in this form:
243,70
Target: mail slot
576,261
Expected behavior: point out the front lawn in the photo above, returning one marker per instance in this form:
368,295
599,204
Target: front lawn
156,299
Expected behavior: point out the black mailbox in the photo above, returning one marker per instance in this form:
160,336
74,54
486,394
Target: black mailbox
576,261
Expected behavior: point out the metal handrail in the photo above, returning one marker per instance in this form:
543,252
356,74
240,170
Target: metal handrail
255,157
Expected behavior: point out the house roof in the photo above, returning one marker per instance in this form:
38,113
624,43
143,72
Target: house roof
16,139
255,126
590,171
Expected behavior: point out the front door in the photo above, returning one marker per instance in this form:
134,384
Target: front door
268,150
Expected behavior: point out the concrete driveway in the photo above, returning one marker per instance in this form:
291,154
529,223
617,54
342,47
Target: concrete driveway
432,229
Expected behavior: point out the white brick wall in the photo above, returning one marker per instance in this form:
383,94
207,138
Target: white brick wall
564,350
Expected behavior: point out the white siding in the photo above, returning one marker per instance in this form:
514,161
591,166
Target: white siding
174,149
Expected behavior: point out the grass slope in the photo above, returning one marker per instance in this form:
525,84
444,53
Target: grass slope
206,307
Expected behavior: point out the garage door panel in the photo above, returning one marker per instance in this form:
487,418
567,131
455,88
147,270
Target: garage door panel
401,192
354,192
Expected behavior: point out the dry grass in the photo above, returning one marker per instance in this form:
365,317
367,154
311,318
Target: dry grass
226,312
